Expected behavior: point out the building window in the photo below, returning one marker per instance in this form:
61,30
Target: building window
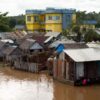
49,17
29,18
36,18
57,17
53,18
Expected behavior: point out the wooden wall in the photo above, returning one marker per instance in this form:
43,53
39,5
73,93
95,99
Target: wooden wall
31,67
91,69
64,69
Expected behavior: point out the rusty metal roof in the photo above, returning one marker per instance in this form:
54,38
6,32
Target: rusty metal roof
2,44
26,44
75,46
9,50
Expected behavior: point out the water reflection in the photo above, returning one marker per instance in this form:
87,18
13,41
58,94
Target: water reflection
66,92
18,85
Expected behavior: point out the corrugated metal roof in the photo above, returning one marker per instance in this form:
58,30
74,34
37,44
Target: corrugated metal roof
84,55
7,40
19,27
50,10
12,35
56,43
54,34
40,38
36,46
9,50
97,31
47,40
26,44
2,45
75,46
93,45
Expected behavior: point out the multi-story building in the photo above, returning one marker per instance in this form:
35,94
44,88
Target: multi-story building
88,24
51,19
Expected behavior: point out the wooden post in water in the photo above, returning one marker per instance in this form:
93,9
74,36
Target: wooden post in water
3,61
27,63
37,63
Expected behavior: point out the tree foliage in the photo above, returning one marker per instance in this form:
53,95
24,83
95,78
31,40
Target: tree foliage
20,19
16,20
91,35
77,30
83,15
8,23
4,22
65,33
12,22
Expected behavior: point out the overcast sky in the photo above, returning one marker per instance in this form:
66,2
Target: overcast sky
16,7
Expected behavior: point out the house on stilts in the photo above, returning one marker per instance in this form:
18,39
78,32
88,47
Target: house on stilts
29,58
77,66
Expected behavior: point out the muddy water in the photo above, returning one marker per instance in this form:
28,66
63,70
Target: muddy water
18,85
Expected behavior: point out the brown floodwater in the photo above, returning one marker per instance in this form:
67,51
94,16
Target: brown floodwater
19,85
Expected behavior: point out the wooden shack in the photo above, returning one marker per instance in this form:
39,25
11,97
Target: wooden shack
58,48
41,40
29,46
11,53
31,60
25,65
32,63
78,66
3,46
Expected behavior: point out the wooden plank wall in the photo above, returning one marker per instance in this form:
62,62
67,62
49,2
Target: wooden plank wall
31,67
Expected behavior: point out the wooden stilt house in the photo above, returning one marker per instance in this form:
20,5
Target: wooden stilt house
30,48
3,46
78,66
58,48
11,53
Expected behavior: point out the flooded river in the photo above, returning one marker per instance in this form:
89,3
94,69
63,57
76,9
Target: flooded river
19,85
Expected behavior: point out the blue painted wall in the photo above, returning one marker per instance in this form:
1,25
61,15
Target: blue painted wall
66,20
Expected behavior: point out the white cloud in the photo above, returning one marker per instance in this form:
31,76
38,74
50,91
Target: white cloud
15,7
